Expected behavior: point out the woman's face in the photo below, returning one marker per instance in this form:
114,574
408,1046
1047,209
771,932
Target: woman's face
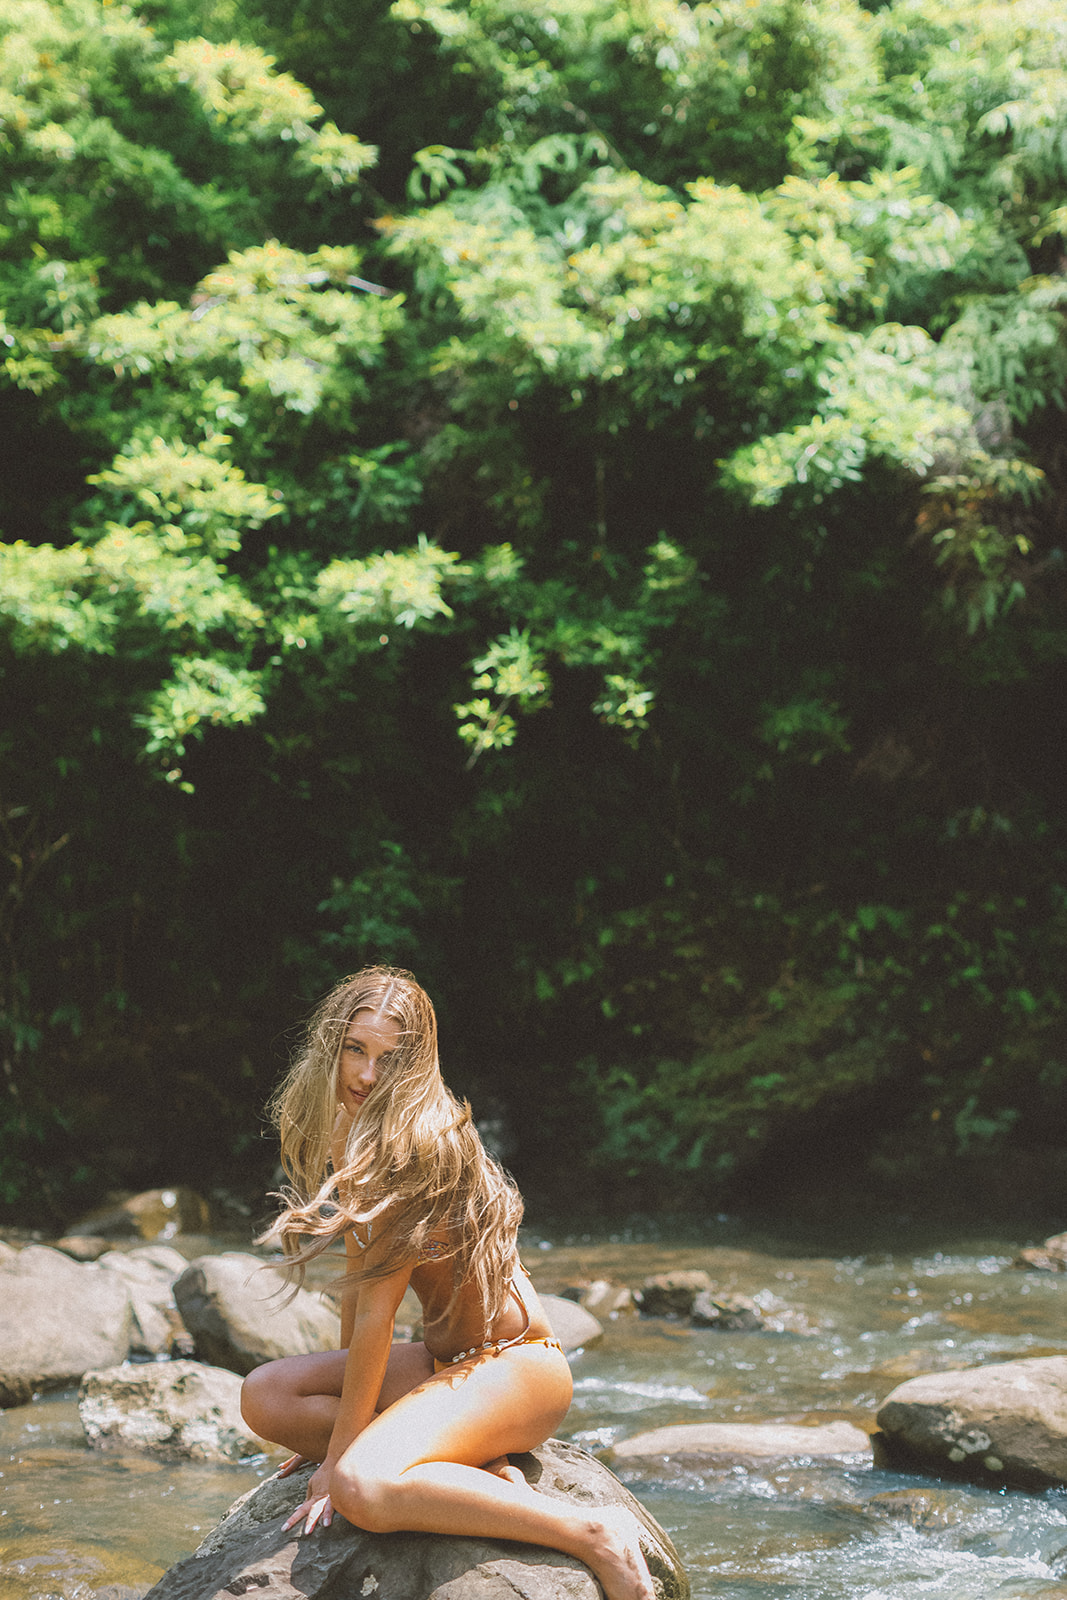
370,1039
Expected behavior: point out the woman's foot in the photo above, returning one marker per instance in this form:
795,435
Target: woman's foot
616,1557
501,1468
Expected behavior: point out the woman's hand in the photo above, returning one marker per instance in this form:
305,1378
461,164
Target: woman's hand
318,1507
287,1468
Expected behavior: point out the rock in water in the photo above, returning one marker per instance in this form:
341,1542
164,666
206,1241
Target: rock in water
605,1299
1049,1257
572,1325
1006,1422
730,1313
248,1554
745,1441
232,1308
57,1319
180,1410
671,1294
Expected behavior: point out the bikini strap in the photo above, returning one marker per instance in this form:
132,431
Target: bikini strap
505,1344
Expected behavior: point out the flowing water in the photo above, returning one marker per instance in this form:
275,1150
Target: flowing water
75,1525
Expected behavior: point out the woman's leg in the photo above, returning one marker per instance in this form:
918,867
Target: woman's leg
418,1467
293,1402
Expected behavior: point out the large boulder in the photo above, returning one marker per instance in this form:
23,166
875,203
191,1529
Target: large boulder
179,1410
572,1325
235,1309
1004,1423
149,1275
249,1554
57,1320
745,1441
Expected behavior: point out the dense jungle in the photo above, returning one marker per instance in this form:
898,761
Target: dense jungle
567,499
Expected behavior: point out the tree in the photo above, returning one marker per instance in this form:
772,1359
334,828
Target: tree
600,556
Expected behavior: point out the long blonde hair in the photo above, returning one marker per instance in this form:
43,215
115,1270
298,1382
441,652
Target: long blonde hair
413,1162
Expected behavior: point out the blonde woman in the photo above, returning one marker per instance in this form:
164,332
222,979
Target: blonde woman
416,1436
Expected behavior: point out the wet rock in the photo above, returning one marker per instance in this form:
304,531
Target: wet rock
671,1294
82,1249
1049,1257
1003,1423
233,1308
913,1363
601,1298
572,1325
746,1441
155,1214
248,1553
57,1320
149,1275
920,1508
7,1251
730,1313
179,1410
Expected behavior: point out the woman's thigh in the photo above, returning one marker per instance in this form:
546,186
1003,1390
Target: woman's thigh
494,1404
323,1373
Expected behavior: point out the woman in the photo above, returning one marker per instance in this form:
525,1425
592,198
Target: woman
416,1436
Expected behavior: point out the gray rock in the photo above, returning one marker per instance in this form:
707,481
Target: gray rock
1005,1423
604,1299
149,1274
671,1294
572,1326
233,1306
932,1508
730,1313
746,1441
57,1320
248,1553
179,1410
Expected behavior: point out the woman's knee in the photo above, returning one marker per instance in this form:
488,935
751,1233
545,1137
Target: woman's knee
367,1499
262,1394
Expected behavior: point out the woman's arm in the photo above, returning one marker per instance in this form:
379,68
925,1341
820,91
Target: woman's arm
371,1314
354,1254
368,1312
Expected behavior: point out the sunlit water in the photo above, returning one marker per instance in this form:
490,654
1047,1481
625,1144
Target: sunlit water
76,1525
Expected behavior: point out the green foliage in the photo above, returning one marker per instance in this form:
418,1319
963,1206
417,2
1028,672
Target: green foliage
566,500
717,1111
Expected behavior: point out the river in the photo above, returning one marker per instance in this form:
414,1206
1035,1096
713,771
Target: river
75,1525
